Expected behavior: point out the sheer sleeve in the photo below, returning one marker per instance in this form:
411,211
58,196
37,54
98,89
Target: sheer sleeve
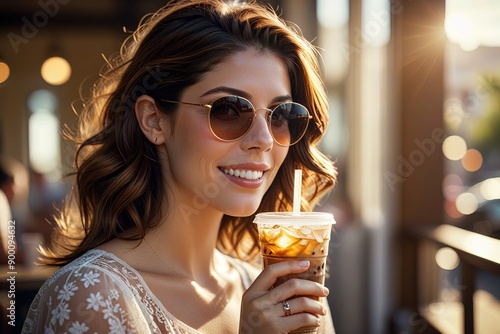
86,299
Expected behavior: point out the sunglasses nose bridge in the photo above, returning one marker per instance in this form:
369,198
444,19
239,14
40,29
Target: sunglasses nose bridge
267,118
268,115
258,109
269,112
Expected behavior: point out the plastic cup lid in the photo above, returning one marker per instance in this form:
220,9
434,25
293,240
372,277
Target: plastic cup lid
289,218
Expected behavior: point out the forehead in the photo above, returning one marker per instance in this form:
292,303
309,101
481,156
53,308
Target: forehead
256,73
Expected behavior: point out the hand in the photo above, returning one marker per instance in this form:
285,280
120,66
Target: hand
262,309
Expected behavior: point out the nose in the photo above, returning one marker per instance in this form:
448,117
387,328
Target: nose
259,136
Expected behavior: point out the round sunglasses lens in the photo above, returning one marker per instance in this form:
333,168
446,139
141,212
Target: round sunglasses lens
230,117
289,123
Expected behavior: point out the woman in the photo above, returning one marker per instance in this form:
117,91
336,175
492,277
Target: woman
194,128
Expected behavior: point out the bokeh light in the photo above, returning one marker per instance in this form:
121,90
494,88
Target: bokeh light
44,141
490,189
56,71
4,72
450,209
452,186
454,147
44,151
472,160
447,258
453,113
467,203
42,100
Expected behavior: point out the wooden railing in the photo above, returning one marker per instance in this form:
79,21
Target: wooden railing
476,252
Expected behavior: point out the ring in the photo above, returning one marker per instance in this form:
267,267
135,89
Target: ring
286,307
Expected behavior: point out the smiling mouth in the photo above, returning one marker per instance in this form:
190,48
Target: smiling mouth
243,173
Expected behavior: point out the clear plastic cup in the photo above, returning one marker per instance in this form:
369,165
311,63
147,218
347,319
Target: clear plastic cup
286,236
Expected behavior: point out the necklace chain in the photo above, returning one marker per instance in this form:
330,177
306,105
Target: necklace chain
220,291
156,254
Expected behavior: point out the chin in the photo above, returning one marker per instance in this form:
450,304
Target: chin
242,211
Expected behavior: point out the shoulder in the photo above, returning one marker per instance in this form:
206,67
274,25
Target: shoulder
92,292
95,268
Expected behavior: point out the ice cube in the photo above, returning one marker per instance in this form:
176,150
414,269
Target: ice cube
271,234
285,241
318,237
305,230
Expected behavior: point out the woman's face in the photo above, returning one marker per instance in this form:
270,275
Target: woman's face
201,169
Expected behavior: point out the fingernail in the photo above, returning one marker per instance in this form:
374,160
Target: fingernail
326,291
304,263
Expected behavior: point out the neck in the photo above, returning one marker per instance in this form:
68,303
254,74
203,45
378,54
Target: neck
185,243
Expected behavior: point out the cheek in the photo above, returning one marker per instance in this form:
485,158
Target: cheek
189,123
192,152
190,135
179,146
280,154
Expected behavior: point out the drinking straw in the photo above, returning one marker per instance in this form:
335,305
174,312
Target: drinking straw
296,192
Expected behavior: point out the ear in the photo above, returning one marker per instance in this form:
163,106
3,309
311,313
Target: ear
151,121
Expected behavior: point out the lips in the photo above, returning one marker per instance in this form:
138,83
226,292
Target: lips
243,173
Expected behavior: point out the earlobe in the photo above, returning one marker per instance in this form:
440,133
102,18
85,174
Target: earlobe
150,119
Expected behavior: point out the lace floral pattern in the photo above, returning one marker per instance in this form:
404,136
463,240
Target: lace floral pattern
99,293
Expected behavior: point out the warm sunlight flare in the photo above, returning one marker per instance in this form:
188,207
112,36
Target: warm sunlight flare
471,24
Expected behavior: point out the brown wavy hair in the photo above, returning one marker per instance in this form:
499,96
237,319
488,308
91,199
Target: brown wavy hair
118,182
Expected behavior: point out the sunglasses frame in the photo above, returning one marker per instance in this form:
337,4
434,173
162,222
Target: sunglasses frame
268,117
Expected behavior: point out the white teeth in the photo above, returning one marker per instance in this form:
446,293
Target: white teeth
244,174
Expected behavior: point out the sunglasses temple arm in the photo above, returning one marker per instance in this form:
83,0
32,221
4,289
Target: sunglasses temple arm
188,103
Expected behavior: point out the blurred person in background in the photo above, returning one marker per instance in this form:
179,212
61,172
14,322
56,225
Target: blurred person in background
7,221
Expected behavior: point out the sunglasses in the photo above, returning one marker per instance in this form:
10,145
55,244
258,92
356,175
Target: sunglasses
231,117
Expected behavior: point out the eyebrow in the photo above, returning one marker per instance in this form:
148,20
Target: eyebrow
238,92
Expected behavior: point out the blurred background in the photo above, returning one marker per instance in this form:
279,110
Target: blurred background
414,90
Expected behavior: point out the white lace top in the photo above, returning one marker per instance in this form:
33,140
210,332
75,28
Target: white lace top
99,290
110,294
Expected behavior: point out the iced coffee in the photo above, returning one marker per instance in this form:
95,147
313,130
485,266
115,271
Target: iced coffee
285,236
